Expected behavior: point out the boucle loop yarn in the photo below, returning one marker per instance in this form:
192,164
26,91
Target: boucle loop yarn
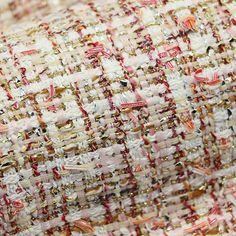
118,117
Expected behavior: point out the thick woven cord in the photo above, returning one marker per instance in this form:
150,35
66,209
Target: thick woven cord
119,118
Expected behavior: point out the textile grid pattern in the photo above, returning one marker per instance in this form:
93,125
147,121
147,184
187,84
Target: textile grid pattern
117,118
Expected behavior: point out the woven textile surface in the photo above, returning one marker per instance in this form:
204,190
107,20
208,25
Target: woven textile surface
118,117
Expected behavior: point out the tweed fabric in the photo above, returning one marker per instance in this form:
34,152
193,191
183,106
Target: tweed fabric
16,11
119,118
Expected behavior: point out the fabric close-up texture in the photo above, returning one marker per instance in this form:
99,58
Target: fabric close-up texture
117,117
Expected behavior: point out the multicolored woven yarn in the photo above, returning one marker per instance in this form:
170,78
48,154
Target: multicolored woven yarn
118,117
